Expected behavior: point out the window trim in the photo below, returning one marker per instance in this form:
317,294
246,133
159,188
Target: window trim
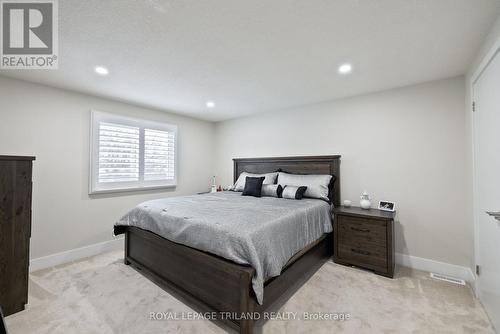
119,187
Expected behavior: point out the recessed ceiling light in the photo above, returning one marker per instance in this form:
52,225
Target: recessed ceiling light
101,70
210,104
345,68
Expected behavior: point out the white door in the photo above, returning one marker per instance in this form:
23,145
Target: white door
487,186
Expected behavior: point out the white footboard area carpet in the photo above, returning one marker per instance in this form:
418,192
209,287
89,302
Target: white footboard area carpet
102,295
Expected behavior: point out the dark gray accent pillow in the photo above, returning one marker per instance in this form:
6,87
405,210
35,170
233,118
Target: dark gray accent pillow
272,190
292,192
253,186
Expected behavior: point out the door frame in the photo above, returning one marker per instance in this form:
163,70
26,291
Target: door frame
476,75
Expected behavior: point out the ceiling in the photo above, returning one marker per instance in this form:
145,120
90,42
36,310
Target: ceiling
256,56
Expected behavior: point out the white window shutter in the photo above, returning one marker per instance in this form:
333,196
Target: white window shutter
159,155
118,153
131,154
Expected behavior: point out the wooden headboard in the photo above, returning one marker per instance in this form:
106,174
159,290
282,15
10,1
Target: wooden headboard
325,164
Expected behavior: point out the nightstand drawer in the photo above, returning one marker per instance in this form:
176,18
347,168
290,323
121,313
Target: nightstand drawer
353,228
372,257
365,246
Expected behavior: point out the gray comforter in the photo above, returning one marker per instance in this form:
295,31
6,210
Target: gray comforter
261,232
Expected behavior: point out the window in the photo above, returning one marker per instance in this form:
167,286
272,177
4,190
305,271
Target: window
131,154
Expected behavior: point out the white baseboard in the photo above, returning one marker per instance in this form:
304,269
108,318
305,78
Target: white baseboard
413,262
75,254
437,267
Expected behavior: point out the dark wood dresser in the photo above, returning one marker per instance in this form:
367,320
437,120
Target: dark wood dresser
15,231
364,238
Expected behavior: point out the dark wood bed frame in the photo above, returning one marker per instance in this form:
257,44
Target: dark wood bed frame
213,284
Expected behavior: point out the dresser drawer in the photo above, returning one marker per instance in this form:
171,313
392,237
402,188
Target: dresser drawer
359,229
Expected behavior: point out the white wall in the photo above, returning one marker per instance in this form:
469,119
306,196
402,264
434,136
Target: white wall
405,145
53,125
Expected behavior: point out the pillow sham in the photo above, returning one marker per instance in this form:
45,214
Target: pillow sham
293,192
253,186
272,190
269,178
317,184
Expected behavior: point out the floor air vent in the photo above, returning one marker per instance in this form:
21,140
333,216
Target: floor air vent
448,279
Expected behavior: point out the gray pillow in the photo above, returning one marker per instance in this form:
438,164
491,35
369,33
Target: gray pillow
317,185
271,190
269,178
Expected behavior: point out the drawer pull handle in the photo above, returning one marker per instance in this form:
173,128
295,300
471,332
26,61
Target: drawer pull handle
360,251
495,215
360,229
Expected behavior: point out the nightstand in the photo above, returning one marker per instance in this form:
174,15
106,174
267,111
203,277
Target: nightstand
364,238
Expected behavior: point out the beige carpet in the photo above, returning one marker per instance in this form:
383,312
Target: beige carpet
102,295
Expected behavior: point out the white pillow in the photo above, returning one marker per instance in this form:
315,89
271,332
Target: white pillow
317,185
271,190
270,178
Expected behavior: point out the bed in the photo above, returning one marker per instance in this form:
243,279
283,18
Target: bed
237,288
